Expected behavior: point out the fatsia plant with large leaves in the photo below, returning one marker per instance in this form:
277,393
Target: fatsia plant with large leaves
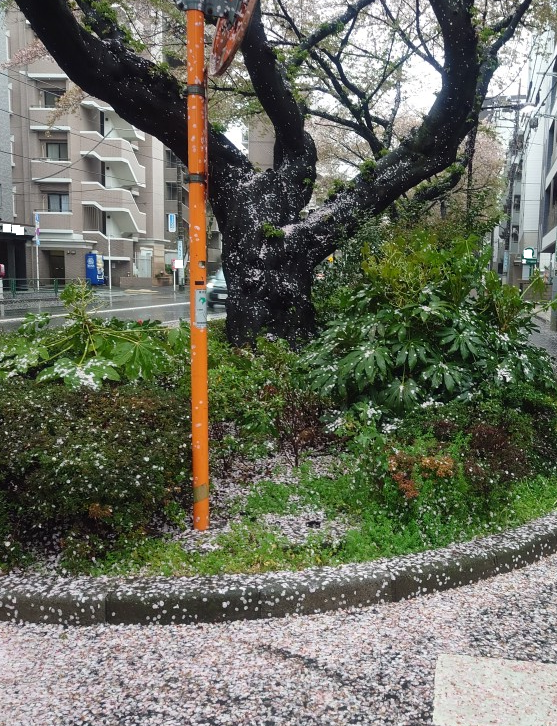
428,325
88,350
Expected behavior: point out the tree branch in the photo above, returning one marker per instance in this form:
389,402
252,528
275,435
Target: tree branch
271,88
424,54
329,28
432,147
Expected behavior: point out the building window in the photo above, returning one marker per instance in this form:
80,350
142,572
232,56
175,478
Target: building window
56,150
10,89
12,142
51,95
58,202
14,192
172,161
171,191
94,219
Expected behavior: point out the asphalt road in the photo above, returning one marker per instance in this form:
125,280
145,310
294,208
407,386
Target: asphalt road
166,306
545,338
170,306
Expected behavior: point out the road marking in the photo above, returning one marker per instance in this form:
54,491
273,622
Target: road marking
111,310
144,307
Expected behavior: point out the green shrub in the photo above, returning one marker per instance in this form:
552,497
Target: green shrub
428,326
262,392
88,350
90,464
339,274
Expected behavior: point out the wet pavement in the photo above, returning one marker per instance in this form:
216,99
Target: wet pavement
168,305
545,337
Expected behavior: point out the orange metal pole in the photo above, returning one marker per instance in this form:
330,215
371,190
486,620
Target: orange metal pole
197,144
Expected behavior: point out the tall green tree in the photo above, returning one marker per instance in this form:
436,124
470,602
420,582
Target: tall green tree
348,70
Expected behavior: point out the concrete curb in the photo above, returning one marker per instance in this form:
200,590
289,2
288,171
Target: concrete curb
180,600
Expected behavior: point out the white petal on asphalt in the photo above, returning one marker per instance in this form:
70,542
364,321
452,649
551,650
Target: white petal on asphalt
371,666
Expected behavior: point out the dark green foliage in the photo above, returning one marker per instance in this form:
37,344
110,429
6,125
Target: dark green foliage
263,394
90,464
337,276
428,325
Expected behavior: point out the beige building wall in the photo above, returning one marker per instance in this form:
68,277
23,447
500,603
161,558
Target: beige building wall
94,180
261,141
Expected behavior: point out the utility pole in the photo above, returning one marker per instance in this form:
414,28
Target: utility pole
233,21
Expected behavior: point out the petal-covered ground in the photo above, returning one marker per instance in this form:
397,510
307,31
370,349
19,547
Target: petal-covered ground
371,666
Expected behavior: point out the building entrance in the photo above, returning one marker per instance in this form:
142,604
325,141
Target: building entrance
57,265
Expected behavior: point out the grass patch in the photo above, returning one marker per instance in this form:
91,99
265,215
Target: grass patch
369,530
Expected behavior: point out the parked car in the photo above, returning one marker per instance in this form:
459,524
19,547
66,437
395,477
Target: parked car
217,292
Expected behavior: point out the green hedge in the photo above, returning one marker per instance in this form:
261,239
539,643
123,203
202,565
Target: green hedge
89,465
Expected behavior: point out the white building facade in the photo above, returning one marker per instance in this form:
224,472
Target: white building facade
530,229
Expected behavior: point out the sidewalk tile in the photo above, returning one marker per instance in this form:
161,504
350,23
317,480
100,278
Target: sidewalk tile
494,692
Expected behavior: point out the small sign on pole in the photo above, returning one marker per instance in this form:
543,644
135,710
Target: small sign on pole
37,243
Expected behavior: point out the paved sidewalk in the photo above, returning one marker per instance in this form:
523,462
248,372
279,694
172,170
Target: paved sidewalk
478,655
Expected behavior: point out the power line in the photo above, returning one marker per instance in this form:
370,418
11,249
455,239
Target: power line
70,133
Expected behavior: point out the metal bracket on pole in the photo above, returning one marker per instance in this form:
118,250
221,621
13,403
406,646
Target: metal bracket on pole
228,9
195,90
195,178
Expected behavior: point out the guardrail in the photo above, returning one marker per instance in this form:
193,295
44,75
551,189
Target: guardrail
30,288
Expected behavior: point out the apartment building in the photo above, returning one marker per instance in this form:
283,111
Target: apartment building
529,232
13,236
88,180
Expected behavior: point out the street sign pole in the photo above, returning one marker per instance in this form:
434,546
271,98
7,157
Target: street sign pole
197,143
37,245
231,27
109,266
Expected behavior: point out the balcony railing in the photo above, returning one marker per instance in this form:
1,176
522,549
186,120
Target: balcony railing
116,153
123,128
53,221
40,116
119,204
56,170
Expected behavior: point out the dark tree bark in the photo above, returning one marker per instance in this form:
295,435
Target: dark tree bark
269,253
